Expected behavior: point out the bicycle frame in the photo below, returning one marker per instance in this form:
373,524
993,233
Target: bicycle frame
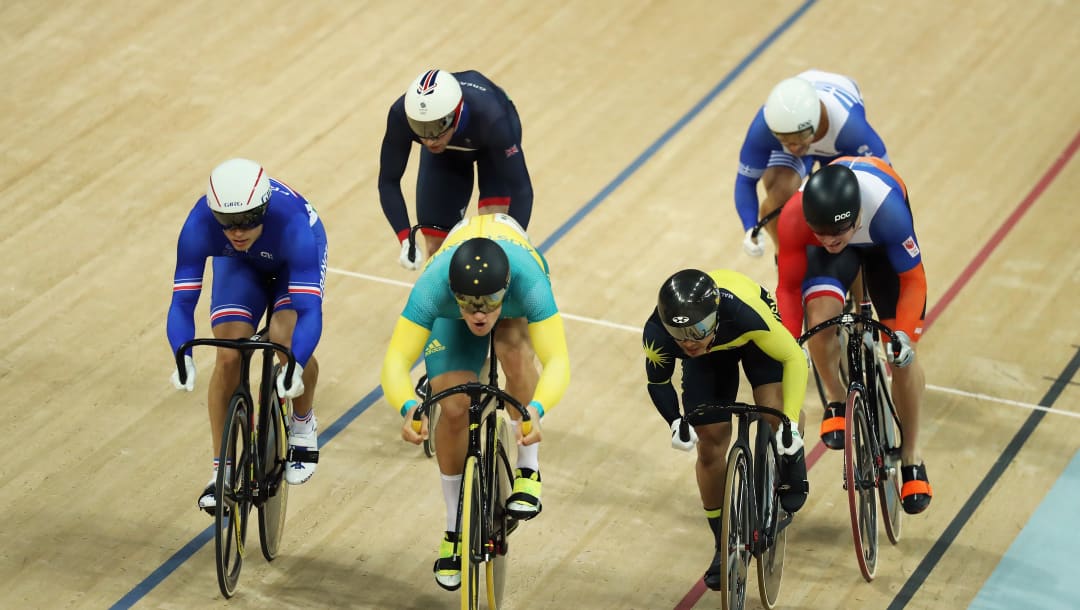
761,517
870,456
254,481
485,402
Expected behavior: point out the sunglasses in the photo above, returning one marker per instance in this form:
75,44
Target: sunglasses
241,220
480,304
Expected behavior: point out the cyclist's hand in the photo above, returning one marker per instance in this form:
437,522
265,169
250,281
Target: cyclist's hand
189,368
907,352
411,434
534,434
677,441
796,441
297,386
413,263
754,247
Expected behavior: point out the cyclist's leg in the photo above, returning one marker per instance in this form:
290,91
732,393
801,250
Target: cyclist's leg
452,356
236,303
711,378
908,385
824,290
444,185
766,377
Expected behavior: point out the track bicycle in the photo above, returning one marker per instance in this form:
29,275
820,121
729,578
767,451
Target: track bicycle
253,457
872,433
484,524
754,523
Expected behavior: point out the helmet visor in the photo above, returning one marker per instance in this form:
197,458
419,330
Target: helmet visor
431,130
693,332
480,304
241,220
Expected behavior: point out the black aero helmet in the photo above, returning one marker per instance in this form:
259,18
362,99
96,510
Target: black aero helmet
688,305
831,200
479,274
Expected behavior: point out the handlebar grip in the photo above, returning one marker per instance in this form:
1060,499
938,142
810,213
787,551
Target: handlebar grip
785,434
417,419
526,427
684,431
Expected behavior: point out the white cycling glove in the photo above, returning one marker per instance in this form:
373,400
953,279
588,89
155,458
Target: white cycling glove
297,387
754,247
414,263
679,443
189,368
796,441
907,352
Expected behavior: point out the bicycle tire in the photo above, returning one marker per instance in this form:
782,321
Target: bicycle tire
770,561
735,530
469,538
502,482
233,496
860,479
889,437
273,447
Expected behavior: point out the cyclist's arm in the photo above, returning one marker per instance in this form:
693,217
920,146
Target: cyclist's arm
659,368
753,157
305,290
549,343
791,264
912,301
187,284
405,346
394,156
778,344
509,160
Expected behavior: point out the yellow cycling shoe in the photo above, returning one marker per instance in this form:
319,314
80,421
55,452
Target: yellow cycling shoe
448,565
524,503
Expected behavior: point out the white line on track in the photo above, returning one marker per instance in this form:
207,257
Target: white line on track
637,330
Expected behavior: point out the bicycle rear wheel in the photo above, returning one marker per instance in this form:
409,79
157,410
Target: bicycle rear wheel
770,561
232,488
273,447
860,479
735,532
889,438
470,538
502,523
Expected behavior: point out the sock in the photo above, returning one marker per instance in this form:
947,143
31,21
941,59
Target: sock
714,515
529,457
303,424
451,489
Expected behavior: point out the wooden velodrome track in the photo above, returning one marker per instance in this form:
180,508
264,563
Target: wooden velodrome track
114,113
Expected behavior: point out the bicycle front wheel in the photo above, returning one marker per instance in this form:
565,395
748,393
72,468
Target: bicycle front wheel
889,437
274,447
470,538
232,489
860,479
736,534
502,523
770,561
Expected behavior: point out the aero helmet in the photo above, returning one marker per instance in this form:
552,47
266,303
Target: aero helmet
688,305
793,106
433,103
479,274
238,193
831,200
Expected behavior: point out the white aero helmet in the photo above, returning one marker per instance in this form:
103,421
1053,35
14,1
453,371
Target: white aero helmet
793,106
238,193
433,103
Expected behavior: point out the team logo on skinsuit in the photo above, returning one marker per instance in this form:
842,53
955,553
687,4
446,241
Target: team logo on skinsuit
510,152
911,247
434,347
